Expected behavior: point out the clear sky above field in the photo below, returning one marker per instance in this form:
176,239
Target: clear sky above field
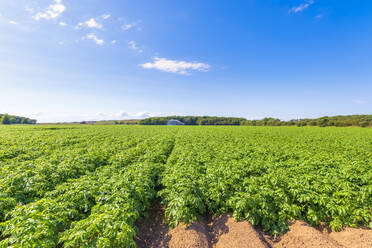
64,60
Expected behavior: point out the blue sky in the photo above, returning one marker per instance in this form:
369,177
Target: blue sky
65,60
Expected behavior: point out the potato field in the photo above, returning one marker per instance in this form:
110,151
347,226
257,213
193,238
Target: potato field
88,186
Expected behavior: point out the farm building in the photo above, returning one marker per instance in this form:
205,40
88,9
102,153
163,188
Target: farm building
174,122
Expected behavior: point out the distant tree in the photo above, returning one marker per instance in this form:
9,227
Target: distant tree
364,123
5,120
323,122
301,123
339,121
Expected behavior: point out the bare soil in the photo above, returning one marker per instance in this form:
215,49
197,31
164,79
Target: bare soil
153,231
225,232
193,236
350,237
303,235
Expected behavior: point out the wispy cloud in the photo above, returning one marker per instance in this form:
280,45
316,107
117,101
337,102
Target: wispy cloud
45,117
358,101
93,37
144,114
13,22
125,115
174,66
301,7
128,26
106,16
53,11
29,9
113,42
133,46
62,24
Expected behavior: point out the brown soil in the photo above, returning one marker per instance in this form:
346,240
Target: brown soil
303,235
225,232
153,231
193,236
350,237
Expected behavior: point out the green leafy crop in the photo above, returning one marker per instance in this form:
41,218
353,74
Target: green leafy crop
86,186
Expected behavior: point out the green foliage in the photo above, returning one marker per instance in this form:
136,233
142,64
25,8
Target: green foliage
338,121
271,175
108,197
193,120
6,119
86,186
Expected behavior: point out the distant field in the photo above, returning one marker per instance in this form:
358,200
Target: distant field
87,186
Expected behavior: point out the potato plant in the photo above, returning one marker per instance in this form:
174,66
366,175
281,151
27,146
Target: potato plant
86,186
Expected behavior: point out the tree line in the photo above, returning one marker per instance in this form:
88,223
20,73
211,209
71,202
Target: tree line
337,121
6,119
193,120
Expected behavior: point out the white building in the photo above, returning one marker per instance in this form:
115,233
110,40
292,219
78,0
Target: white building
174,122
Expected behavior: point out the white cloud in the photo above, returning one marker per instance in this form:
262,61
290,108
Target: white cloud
113,42
92,23
63,24
93,37
301,7
13,22
52,12
128,26
133,46
100,114
106,16
79,25
61,43
142,115
121,114
174,66
55,116
358,101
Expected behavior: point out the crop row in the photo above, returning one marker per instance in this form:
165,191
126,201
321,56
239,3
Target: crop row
90,187
124,187
269,178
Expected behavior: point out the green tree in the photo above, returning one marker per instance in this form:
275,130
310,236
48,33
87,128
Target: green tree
5,120
364,123
323,122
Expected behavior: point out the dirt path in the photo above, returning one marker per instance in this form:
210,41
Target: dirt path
153,231
193,236
225,232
